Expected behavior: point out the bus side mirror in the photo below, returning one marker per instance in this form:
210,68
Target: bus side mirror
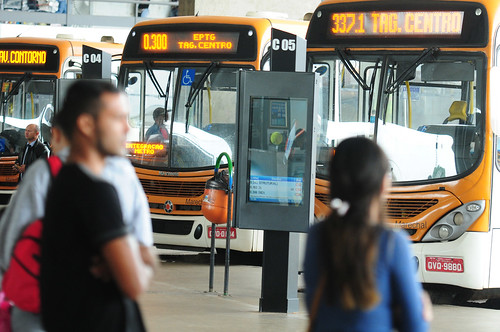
132,80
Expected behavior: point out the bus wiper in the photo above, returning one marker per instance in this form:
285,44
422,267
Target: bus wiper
372,86
167,91
425,54
347,63
193,93
15,88
152,76
26,77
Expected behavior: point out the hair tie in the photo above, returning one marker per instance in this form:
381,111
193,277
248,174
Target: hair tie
340,206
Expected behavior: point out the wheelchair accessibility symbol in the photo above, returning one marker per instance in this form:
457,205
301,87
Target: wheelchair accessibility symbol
187,77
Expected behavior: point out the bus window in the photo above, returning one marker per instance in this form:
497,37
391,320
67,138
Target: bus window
207,129
437,121
38,95
133,90
346,105
31,103
157,87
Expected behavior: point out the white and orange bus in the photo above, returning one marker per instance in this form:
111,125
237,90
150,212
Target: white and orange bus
421,78
30,69
187,66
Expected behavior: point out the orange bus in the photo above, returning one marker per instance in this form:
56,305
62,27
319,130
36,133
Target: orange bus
420,78
185,68
30,71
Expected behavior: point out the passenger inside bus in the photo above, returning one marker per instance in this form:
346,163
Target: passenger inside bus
158,132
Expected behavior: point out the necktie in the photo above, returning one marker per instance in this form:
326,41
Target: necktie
26,149
164,132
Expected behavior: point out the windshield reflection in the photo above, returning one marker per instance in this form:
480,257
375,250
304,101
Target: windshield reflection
424,109
199,106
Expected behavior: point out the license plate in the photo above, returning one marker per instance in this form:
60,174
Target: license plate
220,232
444,264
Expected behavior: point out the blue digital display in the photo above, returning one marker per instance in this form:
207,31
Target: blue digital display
276,189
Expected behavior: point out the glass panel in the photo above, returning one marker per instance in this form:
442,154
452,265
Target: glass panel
344,105
206,129
197,135
32,103
498,152
277,150
434,129
148,138
133,90
431,121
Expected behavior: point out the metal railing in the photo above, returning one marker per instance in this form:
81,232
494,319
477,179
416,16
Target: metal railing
116,13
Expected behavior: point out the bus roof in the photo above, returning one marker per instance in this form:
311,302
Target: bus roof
237,20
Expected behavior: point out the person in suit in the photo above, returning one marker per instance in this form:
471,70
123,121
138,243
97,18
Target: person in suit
33,150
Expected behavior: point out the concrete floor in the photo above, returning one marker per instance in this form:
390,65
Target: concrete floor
178,300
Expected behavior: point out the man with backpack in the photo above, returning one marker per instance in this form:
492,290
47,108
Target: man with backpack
92,269
28,204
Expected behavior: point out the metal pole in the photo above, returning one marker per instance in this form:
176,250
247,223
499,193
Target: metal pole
228,240
212,261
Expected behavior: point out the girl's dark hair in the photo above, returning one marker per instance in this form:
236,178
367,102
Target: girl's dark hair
83,96
349,243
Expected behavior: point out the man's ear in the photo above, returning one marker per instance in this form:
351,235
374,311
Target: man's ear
85,123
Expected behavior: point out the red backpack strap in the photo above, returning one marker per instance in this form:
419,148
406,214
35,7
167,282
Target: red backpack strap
55,164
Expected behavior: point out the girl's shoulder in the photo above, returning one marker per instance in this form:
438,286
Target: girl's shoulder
394,234
392,241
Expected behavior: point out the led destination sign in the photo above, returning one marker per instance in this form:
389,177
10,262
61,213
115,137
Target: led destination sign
139,148
191,41
401,23
29,58
188,42
23,57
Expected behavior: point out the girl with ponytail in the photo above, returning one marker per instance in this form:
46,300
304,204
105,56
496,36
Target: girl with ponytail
357,271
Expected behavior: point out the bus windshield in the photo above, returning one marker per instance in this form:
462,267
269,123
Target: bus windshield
24,101
185,136
426,109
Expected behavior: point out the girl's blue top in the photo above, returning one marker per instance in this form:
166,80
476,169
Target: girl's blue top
396,283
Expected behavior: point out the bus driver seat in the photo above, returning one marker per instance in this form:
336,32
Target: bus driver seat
457,112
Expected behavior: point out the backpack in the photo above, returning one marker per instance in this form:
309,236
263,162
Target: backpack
21,281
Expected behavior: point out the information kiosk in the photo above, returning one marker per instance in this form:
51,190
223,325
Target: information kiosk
274,174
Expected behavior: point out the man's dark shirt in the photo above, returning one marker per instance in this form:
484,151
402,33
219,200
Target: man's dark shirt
82,215
38,150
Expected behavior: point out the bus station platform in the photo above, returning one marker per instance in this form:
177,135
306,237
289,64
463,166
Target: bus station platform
178,299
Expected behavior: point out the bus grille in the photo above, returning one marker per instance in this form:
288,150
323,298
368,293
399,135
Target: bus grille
408,208
173,188
323,198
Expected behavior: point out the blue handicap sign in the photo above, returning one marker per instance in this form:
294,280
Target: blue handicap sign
187,77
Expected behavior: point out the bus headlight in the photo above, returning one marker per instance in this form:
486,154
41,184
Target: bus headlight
455,222
458,219
445,231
